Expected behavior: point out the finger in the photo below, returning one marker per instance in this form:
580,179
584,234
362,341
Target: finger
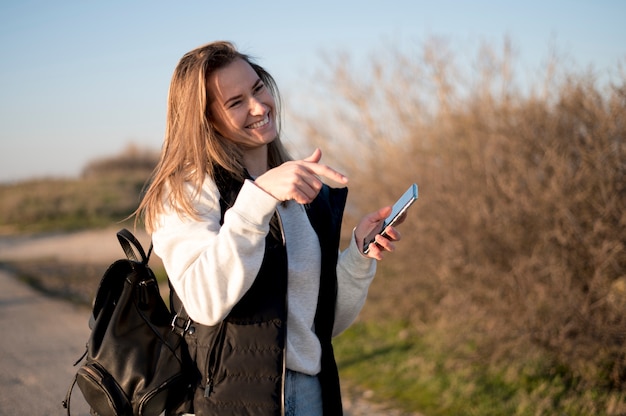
309,188
375,252
307,181
315,156
385,243
328,173
392,233
401,219
371,224
305,193
377,217
324,171
383,213
303,186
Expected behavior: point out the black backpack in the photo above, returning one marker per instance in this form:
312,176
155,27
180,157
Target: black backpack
135,363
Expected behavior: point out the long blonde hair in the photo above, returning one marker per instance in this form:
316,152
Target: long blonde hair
192,147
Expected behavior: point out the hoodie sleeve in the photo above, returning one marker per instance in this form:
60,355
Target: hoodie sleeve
355,273
210,266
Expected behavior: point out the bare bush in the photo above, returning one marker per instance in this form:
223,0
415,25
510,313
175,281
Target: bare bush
131,160
518,236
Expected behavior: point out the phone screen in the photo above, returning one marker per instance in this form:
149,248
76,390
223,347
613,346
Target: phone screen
398,209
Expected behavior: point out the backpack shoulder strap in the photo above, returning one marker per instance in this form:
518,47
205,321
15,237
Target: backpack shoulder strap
68,396
180,319
132,246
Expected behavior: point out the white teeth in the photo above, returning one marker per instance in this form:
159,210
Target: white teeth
260,123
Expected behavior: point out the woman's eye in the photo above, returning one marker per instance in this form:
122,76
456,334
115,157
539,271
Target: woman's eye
259,88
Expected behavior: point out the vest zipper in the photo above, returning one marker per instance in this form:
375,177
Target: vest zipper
284,369
215,355
284,376
280,226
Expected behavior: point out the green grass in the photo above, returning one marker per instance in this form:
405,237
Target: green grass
419,373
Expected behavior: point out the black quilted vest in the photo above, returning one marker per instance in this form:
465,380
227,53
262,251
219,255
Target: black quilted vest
241,361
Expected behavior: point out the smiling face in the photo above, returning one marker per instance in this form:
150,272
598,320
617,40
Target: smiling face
241,105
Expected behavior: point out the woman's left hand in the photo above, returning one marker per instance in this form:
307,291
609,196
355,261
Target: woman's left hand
367,225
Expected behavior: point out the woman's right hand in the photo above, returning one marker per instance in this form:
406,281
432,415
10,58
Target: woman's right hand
298,180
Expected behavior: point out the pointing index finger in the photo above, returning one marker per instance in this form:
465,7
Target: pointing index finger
328,173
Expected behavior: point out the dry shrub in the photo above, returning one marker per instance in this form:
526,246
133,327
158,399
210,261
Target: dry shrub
518,235
132,159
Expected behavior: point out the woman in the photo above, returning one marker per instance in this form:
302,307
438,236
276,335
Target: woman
250,242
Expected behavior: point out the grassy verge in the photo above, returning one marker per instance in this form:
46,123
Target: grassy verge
421,374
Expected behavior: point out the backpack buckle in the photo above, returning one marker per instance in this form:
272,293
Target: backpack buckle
180,325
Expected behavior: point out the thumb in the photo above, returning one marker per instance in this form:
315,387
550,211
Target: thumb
382,213
315,157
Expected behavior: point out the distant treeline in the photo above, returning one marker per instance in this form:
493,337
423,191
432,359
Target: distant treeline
132,160
107,192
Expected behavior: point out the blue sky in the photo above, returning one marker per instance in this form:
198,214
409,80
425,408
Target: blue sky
83,79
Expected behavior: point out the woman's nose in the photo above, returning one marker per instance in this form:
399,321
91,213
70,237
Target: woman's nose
256,107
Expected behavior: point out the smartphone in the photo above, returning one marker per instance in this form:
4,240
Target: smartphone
399,209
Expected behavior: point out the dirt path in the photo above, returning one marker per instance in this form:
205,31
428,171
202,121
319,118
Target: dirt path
43,337
91,246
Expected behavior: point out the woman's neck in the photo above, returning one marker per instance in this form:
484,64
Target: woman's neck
255,160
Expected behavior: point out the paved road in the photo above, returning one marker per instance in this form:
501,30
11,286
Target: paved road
40,339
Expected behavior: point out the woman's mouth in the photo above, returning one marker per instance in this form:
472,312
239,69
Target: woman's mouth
260,123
